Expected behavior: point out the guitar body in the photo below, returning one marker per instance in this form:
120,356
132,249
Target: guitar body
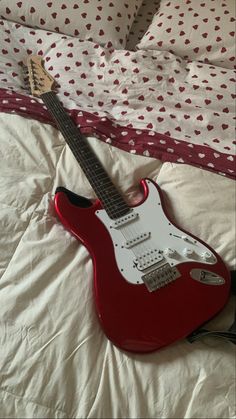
136,315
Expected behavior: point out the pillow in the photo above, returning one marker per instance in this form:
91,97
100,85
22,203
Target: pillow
141,22
197,30
106,22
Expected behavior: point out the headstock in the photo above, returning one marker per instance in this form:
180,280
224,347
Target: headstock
40,80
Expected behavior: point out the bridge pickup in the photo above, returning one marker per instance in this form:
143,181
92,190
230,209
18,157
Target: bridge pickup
160,277
138,239
149,258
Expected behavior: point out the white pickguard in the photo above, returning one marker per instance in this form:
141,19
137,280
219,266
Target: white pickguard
160,238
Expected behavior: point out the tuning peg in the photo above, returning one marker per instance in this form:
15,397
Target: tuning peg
24,66
26,82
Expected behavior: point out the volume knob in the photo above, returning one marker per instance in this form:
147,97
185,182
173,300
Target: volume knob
187,252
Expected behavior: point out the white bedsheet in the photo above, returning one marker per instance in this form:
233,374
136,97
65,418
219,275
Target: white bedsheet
55,360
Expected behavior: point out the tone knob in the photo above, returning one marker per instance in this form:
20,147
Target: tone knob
187,252
169,252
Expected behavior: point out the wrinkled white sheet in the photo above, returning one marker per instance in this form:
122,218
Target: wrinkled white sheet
55,360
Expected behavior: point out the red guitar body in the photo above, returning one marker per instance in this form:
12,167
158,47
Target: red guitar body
132,317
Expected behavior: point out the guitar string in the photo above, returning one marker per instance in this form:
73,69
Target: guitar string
108,200
142,248
108,185
129,232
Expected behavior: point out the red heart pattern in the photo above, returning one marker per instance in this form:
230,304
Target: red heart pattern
141,101
198,27
109,23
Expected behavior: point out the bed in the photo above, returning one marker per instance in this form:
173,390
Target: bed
153,102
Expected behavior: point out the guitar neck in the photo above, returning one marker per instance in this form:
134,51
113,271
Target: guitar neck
105,190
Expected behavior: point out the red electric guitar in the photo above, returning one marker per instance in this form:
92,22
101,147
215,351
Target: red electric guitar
153,282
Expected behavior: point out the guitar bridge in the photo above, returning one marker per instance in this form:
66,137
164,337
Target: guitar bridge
160,277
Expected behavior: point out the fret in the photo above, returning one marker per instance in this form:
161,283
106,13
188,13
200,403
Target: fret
104,188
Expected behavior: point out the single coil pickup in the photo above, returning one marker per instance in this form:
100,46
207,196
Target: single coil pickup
138,239
118,222
160,277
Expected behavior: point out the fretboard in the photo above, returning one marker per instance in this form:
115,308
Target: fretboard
102,185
